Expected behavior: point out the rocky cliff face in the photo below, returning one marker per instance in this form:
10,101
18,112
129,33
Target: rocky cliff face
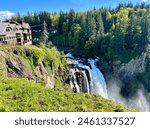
128,77
15,68
20,63
132,68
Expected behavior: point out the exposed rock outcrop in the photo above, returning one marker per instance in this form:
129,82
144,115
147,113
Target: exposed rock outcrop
134,67
15,65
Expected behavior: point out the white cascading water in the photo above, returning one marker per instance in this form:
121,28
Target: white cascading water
80,65
96,85
75,81
99,84
86,83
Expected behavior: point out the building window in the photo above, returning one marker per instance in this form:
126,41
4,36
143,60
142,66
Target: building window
8,29
15,29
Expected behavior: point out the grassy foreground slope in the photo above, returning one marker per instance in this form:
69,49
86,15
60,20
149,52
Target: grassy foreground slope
24,95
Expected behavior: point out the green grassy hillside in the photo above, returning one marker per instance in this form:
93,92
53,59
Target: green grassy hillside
24,95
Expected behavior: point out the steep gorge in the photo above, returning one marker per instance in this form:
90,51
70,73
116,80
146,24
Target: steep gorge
120,80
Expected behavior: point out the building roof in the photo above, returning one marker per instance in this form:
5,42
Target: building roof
12,24
3,27
26,26
18,27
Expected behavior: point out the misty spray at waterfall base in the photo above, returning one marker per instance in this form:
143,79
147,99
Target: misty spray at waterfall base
138,101
86,77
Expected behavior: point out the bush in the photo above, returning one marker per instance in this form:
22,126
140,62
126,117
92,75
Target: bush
37,55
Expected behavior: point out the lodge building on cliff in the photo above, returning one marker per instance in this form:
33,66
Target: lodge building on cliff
14,33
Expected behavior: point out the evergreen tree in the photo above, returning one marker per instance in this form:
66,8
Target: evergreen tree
37,21
60,23
145,24
100,35
148,27
44,35
133,32
82,35
91,34
119,41
74,36
71,18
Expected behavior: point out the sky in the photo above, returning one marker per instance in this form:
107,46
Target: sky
9,8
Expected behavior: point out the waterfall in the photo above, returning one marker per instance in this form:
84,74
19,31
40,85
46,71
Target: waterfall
75,81
86,83
90,83
94,82
87,77
99,83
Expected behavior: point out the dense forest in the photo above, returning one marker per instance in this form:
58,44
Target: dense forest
122,33
107,33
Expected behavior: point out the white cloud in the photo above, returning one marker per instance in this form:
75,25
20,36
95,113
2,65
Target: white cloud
145,0
5,15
